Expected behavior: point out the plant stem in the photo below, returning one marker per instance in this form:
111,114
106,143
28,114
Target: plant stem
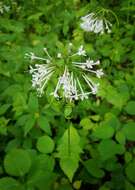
69,143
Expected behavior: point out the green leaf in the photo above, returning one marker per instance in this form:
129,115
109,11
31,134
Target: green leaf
93,167
29,124
109,148
127,157
67,110
44,124
129,186
8,183
120,137
41,180
4,108
69,152
86,123
33,103
3,125
103,132
45,162
129,131
130,108
17,162
45,144
69,166
130,171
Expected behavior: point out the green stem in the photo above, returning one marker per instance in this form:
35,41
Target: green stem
116,18
69,143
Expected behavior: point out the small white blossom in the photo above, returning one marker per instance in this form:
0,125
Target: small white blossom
91,23
71,84
99,73
59,55
4,8
81,51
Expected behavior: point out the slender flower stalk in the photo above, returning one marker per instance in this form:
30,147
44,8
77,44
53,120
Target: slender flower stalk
75,81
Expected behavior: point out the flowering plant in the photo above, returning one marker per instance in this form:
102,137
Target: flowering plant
73,70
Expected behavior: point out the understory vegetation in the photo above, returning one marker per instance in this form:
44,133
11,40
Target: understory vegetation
60,143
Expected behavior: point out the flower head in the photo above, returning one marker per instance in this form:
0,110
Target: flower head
74,75
92,23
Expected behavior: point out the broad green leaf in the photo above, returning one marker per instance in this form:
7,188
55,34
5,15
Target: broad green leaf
45,144
130,171
128,157
86,124
9,183
108,148
17,162
3,108
45,162
120,137
44,124
33,104
19,104
129,131
103,132
93,167
69,166
14,143
29,124
41,180
69,151
130,108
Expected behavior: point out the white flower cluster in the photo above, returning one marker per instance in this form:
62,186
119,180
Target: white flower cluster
91,23
4,8
69,84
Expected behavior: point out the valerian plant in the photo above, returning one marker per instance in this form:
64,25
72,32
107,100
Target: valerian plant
67,109
74,71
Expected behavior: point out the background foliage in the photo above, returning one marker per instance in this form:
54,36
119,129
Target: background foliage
33,132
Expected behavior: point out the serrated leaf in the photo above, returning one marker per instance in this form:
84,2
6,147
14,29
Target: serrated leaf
69,150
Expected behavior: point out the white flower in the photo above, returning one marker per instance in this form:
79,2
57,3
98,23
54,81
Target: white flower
59,55
75,81
81,51
91,23
99,73
4,8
